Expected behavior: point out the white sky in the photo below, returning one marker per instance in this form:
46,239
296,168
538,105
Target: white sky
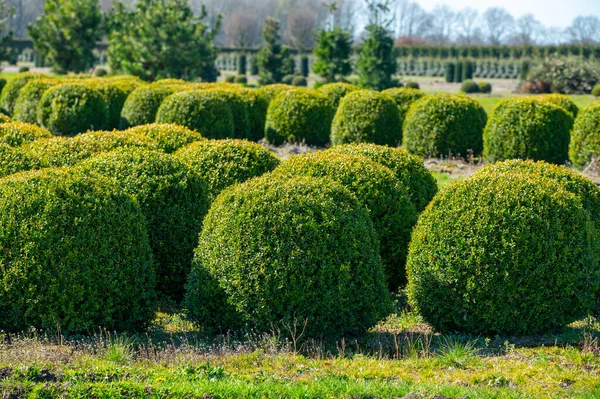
559,13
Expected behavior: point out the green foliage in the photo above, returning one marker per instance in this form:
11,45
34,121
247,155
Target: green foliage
239,112
449,71
68,151
230,79
72,108
114,96
271,91
242,62
168,137
26,106
274,60
562,101
411,84
365,116
79,248
288,79
10,93
409,169
377,187
162,39
585,137
241,79
223,163
336,91
485,87
504,253
469,86
66,34
173,200
15,159
333,52
445,124
207,112
2,84
256,103
596,91
100,72
527,128
142,104
566,76
404,98
300,253
299,81
16,133
377,61
299,116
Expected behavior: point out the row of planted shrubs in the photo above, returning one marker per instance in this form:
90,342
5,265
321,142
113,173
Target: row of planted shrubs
320,238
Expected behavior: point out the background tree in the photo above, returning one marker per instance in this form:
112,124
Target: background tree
274,59
527,29
6,36
498,23
162,39
241,28
301,27
333,52
443,24
468,31
377,63
585,30
66,34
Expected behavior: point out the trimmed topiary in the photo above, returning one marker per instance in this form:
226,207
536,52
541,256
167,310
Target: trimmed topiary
446,125
10,92
230,79
65,151
4,118
15,159
223,163
596,91
174,201
409,169
241,79
168,137
503,253
271,91
70,109
299,81
17,133
527,128
485,87
585,137
288,79
299,116
142,104
256,103
115,93
562,101
404,98
411,84
26,106
237,104
208,112
100,72
469,86
366,116
336,91
79,248
297,252
376,186
2,84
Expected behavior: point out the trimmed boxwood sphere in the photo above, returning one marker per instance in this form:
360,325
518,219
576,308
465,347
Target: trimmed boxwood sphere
142,104
376,186
17,133
562,101
272,91
26,105
504,253
15,159
282,250
336,91
78,248
168,137
445,124
223,163
469,86
174,201
299,116
68,151
365,116
10,92
239,111
409,169
207,112
404,98
485,87
585,137
527,128
114,96
257,104
70,109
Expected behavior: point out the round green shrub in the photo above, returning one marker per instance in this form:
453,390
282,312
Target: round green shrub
78,248
562,101
596,91
173,200
2,84
585,137
23,69
288,251
230,79
365,116
409,169
299,81
4,118
485,87
15,159
100,72
241,79
168,137
288,79
404,98
299,116
17,133
412,85
256,103
239,111
142,104
336,91
114,93
527,128
469,86
10,92
223,163
446,125
271,91
207,112
376,186
65,151
503,253
26,106
70,109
